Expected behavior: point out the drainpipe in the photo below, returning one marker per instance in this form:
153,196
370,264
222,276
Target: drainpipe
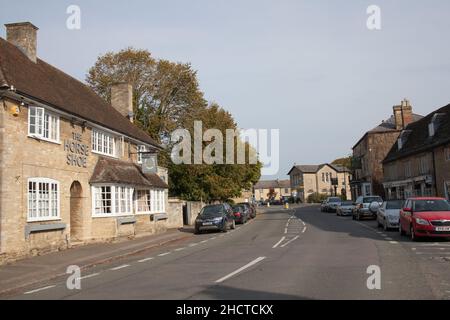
2,93
434,172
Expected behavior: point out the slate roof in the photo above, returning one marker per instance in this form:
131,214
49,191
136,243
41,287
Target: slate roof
316,167
418,139
116,171
48,85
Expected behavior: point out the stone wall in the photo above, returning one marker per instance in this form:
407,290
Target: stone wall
24,157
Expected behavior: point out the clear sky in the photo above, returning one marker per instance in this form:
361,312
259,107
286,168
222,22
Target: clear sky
309,68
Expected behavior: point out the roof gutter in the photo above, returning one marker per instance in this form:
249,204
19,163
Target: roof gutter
21,95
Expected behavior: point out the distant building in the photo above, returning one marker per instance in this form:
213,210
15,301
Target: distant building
418,163
323,178
372,148
275,189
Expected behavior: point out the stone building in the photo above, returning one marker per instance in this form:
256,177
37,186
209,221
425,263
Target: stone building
418,163
74,169
325,178
277,189
372,148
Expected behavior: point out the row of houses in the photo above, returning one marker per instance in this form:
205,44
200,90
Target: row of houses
73,168
406,155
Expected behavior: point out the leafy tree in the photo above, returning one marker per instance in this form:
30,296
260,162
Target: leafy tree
166,96
345,162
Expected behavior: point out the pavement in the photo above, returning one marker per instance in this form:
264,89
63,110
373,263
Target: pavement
300,253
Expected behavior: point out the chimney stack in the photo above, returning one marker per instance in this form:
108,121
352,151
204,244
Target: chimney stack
403,115
122,99
24,36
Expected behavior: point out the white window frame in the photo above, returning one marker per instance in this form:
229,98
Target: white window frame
116,202
136,205
51,199
101,140
40,125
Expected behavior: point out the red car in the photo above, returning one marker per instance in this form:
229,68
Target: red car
425,217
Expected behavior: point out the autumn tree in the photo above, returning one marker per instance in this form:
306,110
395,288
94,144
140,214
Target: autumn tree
166,96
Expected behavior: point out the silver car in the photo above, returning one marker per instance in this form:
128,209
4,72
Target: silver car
345,208
388,214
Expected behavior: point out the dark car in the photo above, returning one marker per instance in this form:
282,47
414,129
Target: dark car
241,214
215,217
251,208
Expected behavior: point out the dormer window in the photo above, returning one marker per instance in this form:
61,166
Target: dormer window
434,124
403,138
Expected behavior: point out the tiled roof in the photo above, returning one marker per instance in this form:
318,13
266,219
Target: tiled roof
418,139
268,184
44,83
116,171
316,167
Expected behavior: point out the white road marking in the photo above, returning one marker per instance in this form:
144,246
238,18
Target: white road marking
89,276
204,241
278,243
40,289
293,239
413,249
388,238
393,242
146,259
163,254
285,230
248,265
120,267
180,249
213,238
193,244
435,253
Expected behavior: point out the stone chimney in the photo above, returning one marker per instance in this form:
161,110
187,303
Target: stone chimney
24,36
122,99
403,115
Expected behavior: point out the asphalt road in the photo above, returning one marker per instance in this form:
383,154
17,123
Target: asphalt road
283,254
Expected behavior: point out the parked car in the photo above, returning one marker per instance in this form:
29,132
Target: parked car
388,214
425,217
251,209
215,217
332,203
363,207
345,208
323,205
241,214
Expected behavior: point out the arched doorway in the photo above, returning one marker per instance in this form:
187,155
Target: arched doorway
76,211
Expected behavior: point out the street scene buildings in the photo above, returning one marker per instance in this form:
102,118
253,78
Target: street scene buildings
121,179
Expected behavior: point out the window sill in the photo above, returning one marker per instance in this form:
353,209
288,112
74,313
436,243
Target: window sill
44,139
34,228
112,215
43,219
105,154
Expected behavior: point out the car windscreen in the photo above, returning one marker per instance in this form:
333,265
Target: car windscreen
212,211
334,200
372,199
430,205
394,204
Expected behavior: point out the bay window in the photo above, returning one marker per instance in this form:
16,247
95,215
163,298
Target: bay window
43,199
142,201
43,124
112,200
